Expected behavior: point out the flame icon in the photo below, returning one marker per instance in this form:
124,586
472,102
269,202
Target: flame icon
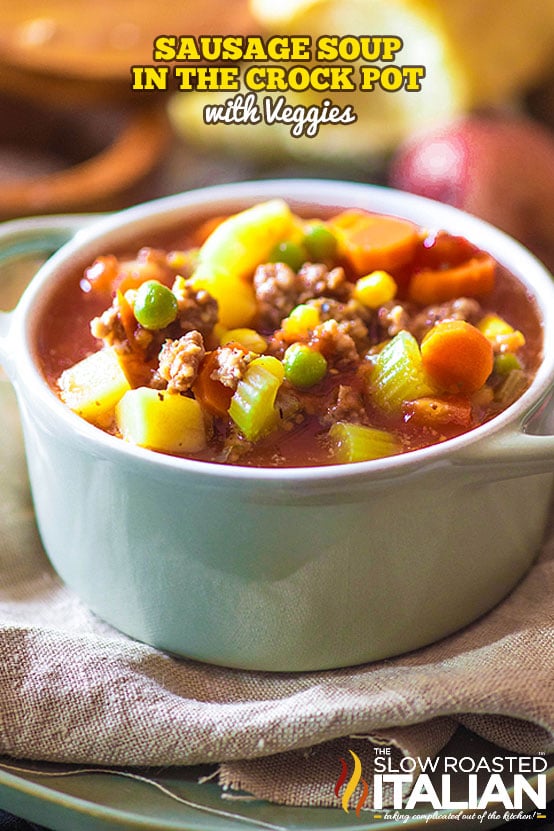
352,784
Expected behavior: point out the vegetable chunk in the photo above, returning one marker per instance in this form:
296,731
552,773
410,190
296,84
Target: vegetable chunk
253,404
231,253
399,375
92,387
371,241
269,338
375,289
168,422
357,443
472,279
457,356
245,239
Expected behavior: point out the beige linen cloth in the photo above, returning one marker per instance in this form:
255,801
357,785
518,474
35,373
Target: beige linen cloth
73,690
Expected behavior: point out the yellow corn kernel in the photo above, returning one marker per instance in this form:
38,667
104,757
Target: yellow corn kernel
248,338
375,289
503,336
300,322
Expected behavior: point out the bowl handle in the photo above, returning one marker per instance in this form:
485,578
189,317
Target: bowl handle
34,238
511,453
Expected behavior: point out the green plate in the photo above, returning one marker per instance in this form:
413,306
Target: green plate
173,800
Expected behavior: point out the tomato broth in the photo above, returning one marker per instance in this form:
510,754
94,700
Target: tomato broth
268,339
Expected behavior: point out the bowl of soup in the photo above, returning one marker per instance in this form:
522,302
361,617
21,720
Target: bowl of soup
285,425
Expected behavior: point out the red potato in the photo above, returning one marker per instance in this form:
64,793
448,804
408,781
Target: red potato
499,168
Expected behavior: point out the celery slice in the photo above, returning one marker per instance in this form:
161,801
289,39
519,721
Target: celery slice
398,374
511,387
356,443
253,403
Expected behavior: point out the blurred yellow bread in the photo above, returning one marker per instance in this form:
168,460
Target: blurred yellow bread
475,52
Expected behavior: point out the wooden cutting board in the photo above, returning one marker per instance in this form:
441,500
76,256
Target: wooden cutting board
102,39
62,59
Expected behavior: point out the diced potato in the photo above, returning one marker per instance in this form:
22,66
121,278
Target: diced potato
92,387
163,421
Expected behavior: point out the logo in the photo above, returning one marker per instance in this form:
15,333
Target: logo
464,787
353,783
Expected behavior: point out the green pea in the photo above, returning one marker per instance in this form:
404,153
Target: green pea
320,243
304,366
290,253
505,362
155,305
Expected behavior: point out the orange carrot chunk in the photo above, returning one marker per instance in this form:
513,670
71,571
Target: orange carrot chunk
101,276
457,356
373,241
431,411
472,279
127,317
214,396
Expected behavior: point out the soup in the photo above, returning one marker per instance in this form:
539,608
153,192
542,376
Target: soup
269,339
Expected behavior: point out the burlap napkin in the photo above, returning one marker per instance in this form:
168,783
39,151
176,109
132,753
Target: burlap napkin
74,690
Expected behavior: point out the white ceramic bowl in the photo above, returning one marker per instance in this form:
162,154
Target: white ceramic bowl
291,569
